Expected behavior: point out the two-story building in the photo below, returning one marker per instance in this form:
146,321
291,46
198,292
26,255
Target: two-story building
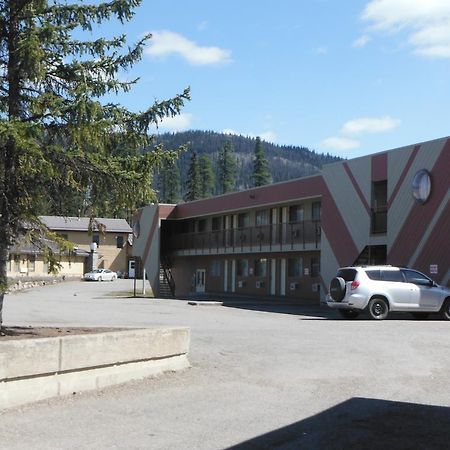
113,247
288,239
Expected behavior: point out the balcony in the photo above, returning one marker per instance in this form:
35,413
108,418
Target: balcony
297,236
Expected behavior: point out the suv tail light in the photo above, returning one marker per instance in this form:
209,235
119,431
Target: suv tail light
354,284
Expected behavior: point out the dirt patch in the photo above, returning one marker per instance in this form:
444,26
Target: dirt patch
43,332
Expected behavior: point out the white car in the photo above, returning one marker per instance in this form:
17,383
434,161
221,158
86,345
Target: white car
381,289
100,275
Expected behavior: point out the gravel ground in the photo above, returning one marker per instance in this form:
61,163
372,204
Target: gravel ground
279,377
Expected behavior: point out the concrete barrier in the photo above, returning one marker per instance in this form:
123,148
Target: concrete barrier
36,369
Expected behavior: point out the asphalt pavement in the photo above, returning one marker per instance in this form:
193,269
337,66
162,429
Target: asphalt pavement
274,376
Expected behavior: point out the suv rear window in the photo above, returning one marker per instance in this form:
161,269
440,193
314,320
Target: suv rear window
374,274
392,275
347,274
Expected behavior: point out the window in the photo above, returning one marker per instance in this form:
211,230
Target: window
17,263
242,267
201,225
243,220
96,239
347,274
374,274
392,275
216,223
295,267
215,268
119,241
261,267
315,266
416,277
296,213
379,208
31,263
262,217
316,210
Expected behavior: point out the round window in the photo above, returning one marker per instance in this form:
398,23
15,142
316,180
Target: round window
421,186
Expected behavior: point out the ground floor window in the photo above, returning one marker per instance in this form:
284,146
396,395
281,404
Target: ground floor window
295,267
261,267
242,267
315,266
31,263
17,263
215,268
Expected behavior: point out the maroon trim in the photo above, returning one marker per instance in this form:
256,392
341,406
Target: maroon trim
165,211
400,181
273,194
379,167
420,216
356,187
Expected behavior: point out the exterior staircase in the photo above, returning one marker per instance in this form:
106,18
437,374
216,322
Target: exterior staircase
166,281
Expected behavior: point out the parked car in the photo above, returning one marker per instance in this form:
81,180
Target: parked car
382,289
100,275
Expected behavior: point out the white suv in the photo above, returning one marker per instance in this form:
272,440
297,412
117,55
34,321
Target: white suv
381,289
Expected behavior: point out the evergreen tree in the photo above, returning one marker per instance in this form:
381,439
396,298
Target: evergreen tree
226,169
56,133
193,186
261,174
207,177
168,183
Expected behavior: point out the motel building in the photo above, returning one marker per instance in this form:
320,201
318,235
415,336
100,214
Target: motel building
286,240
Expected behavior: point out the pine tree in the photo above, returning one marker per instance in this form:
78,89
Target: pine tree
261,174
56,131
226,169
207,177
193,185
173,184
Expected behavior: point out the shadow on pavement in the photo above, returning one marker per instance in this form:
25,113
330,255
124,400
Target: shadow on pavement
363,424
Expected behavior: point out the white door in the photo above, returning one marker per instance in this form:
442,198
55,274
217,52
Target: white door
283,277
200,280
131,269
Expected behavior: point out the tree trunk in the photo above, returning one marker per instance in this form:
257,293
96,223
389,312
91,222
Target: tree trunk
3,276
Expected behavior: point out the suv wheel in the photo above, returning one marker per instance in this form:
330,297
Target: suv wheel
445,311
337,289
378,308
348,313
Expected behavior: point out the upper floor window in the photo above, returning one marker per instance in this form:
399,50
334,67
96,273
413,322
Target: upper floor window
296,213
243,220
119,241
216,223
316,210
262,217
201,224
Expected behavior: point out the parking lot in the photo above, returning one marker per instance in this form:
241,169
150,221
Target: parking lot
273,376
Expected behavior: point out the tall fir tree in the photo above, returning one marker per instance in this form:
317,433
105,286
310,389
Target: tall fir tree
193,185
207,177
57,133
168,183
261,174
227,169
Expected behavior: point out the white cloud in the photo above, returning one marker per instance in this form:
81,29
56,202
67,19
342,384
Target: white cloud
268,136
369,125
180,122
165,43
362,41
339,143
322,50
427,23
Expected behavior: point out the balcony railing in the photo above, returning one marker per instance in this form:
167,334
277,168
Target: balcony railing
266,237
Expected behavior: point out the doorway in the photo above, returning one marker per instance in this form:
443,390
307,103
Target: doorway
200,280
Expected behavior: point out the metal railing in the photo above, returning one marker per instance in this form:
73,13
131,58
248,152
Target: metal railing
272,237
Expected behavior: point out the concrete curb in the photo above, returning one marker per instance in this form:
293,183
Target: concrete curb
37,369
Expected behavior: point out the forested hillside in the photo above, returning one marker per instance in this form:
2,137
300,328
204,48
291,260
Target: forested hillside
285,162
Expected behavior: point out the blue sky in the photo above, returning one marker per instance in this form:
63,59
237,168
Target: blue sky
347,77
